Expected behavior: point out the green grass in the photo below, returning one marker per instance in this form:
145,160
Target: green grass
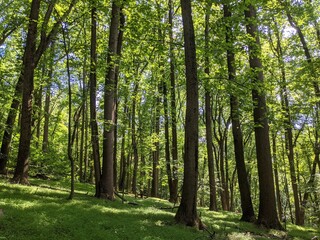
43,212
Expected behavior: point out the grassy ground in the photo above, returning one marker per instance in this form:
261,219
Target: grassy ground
42,211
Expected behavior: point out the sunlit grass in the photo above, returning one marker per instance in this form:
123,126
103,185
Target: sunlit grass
42,211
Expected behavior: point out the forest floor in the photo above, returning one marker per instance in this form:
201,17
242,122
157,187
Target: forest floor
43,211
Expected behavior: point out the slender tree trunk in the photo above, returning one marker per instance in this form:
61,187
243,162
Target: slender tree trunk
314,76
208,114
134,140
93,99
45,140
187,211
174,144
288,129
83,123
119,48
156,152
245,193
172,197
29,64
276,176
7,135
109,107
267,203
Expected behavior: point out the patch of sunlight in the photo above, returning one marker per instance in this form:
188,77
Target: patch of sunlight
240,236
159,223
151,238
110,210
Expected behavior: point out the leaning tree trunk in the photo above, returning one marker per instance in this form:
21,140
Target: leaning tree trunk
267,202
187,211
245,193
21,170
109,107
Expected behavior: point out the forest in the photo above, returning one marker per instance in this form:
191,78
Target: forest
206,104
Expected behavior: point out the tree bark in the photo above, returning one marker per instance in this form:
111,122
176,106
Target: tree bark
288,129
29,64
208,114
134,140
93,99
187,211
267,203
110,107
314,76
174,144
245,193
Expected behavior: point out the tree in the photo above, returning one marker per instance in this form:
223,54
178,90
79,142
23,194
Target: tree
93,99
187,211
110,106
267,203
21,170
208,110
245,193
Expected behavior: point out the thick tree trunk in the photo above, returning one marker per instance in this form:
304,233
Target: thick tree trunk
93,99
245,193
187,211
109,107
267,203
29,64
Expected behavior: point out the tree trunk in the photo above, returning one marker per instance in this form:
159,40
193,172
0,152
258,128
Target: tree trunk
276,176
29,64
44,43
109,107
314,76
187,211
119,48
208,114
45,140
134,140
83,123
7,135
174,144
93,99
156,153
288,129
267,203
245,193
